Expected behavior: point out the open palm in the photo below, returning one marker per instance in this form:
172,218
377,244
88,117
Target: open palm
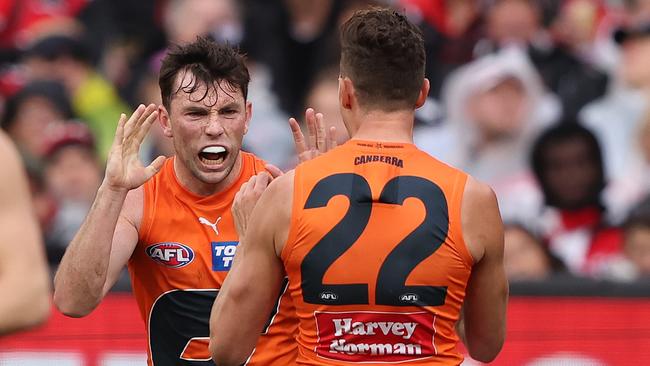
124,170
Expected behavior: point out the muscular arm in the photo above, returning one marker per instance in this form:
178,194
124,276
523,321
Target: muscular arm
487,290
98,252
252,286
109,234
24,282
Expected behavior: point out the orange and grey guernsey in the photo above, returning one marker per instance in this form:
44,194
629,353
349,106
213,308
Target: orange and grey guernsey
185,249
375,256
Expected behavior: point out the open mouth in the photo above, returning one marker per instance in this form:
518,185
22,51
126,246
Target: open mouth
213,155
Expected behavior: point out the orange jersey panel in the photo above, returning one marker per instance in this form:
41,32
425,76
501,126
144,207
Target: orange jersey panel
375,257
186,247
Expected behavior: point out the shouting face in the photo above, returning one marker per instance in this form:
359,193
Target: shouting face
207,124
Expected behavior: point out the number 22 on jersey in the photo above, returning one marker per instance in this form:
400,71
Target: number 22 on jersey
421,243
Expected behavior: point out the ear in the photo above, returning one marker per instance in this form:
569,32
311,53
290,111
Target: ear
424,92
346,93
249,115
165,121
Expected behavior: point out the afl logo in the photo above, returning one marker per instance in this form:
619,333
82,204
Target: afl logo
410,298
172,255
328,296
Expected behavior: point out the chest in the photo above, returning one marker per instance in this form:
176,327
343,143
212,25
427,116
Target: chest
188,246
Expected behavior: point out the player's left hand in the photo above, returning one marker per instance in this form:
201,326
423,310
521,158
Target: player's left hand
273,170
320,140
246,199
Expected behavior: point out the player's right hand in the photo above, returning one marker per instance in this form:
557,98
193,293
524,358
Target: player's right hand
124,170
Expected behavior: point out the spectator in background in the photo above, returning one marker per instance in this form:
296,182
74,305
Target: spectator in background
584,28
451,30
323,96
219,19
30,111
43,202
22,21
147,92
95,100
268,136
636,245
638,10
495,107
293,38
619,119
568,164
72,175
634,261
526,258
518,22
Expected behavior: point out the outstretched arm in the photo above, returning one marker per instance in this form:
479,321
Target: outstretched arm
253,284
487,290
24,279
108,236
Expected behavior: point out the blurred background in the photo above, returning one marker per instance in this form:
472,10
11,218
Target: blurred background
548,101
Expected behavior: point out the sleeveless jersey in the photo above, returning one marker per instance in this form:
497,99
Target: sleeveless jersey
185,249
375,256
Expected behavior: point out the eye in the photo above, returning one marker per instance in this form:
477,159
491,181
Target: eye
195,114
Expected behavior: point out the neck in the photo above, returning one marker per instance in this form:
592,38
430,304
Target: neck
195,185
385,126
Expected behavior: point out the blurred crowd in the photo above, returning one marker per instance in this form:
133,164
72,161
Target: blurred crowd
548,101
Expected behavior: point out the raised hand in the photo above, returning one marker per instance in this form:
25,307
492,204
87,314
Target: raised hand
246,199
124,170
320,140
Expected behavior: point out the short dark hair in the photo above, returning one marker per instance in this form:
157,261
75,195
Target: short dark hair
564,131
50,90
209,62
383,54
55,47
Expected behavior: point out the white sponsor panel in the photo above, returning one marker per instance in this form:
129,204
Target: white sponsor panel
375,336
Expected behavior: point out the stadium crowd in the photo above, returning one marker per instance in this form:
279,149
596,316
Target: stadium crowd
547,101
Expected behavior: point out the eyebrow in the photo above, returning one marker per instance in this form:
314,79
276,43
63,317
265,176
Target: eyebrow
194,108
230,105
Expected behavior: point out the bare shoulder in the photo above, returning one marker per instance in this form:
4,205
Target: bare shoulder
480,218
276,203
278,197
282,186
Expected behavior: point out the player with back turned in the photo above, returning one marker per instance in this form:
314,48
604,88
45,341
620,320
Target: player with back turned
383,244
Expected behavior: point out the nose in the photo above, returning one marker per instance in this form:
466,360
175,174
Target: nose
214,127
